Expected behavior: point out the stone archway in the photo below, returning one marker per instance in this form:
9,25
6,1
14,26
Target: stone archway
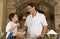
44,6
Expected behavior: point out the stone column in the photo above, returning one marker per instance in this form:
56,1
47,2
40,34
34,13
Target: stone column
1,14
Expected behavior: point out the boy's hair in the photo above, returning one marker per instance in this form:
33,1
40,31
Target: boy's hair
11,15
31,4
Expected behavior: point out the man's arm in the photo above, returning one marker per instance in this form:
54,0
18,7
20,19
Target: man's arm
24,28
44,31
45,26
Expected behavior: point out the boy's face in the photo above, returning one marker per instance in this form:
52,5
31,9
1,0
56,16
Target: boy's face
15,18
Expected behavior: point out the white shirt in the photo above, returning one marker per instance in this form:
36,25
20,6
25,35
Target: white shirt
35,24
9,26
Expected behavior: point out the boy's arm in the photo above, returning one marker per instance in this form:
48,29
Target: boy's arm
13,27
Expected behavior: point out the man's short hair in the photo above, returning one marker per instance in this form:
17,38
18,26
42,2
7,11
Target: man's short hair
31,4
11,15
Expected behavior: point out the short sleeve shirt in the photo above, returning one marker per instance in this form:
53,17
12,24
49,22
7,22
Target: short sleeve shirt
9,26
35,24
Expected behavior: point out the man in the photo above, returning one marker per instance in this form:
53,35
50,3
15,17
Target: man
35,23
11,27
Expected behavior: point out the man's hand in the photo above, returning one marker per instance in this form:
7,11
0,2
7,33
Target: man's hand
17,24
40,36
19,34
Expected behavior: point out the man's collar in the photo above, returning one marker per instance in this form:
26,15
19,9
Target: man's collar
36,13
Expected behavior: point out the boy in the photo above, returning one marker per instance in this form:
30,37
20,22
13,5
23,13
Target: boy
11,27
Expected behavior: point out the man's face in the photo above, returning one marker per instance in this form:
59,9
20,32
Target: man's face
30,9
15,18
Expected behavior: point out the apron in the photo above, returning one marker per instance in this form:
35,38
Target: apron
11,36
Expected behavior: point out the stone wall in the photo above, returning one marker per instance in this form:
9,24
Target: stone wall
57,16
10,7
